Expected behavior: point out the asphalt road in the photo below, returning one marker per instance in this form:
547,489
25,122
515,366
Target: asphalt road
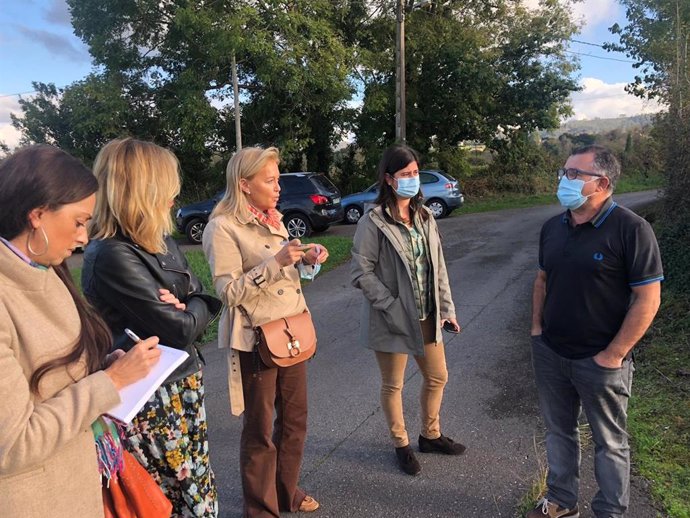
490,401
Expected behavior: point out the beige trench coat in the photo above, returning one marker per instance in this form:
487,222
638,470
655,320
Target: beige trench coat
241,254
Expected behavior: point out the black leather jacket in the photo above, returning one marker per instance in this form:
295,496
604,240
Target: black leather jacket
121,280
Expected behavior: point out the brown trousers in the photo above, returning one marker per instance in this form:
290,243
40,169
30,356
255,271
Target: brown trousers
271,452
433,368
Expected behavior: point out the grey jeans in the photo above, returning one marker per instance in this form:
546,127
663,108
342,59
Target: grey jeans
564,387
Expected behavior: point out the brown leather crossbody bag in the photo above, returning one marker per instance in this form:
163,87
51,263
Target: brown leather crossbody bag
286,341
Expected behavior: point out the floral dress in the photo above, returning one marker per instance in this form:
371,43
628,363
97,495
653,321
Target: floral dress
169,437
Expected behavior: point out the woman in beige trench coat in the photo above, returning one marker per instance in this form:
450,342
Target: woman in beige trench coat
253,266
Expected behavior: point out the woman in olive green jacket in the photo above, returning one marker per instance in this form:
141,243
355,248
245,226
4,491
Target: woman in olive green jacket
397,262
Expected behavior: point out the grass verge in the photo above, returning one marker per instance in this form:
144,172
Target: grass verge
519,201
537,490
659,414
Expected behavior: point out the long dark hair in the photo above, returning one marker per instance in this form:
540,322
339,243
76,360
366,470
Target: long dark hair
393,160
44,176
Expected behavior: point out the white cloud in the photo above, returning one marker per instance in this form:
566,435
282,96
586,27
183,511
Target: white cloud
602,100
594,12
589,12
8,105
8,134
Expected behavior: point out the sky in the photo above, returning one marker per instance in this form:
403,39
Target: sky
37,44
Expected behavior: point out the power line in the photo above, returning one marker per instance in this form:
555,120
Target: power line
568,51
17,94
599,57
587,43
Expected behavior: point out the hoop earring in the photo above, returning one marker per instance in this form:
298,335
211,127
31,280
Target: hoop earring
45,238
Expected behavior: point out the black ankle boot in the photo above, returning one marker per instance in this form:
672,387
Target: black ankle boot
443,445
407,460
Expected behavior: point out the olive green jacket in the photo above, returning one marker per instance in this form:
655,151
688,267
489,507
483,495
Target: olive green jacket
389,321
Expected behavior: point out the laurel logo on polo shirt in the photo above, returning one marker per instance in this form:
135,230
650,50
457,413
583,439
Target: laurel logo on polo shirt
598,256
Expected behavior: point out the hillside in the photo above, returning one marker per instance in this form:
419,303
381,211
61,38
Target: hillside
576,127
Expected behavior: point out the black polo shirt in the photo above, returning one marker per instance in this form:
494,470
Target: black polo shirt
590,270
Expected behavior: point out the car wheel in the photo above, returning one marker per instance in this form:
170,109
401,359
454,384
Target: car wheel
297,226
352,214
195,230
438,208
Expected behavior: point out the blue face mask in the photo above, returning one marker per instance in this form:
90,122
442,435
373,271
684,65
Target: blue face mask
308,272
570,193
407,187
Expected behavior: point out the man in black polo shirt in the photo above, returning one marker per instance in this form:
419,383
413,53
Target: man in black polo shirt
595,295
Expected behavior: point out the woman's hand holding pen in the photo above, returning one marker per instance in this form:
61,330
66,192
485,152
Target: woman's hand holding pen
135,364
291,253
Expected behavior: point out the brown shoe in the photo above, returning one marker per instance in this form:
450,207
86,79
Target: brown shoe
308,505
546,509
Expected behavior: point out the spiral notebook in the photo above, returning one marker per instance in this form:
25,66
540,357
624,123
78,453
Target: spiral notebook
133,397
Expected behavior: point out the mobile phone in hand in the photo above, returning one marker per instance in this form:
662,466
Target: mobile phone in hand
448,326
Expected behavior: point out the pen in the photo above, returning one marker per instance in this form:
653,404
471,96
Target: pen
132,335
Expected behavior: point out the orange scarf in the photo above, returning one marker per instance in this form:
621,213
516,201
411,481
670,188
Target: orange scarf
270,218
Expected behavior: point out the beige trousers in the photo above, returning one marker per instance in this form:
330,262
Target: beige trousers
433,368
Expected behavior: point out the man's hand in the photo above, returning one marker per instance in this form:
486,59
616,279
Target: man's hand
607,359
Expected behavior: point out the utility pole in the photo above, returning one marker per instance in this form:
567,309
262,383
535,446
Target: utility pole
236,96
400,115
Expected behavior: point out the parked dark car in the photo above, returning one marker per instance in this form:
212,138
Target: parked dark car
191,219
309,203
441,194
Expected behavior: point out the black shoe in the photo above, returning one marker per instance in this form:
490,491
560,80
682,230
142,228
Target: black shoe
407,460
443,445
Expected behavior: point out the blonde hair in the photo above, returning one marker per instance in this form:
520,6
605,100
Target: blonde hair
137,181
242,166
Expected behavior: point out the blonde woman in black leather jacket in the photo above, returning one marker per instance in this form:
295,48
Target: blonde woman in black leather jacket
137,277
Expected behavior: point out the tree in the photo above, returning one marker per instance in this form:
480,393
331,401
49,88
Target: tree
165,68
79,118
293,68
472,67
657,36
